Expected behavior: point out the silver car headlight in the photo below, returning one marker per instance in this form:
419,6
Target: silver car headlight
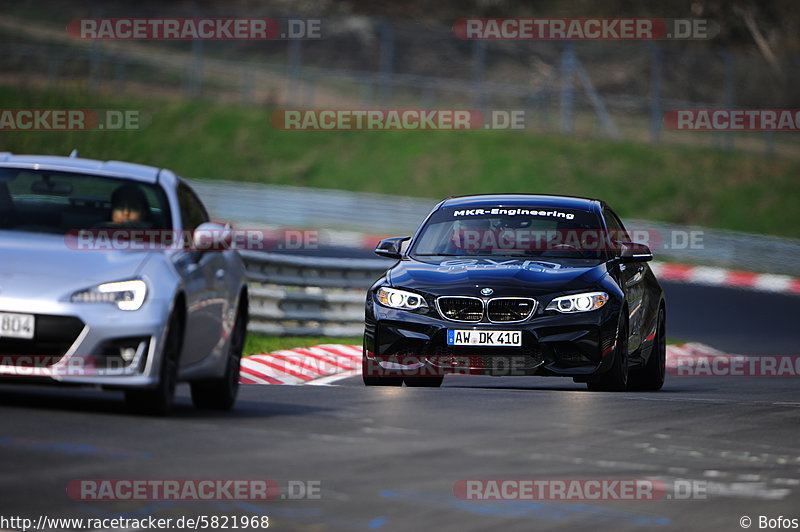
400,299
127,295
578,302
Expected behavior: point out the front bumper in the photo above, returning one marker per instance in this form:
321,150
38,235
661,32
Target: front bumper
575,345
93,344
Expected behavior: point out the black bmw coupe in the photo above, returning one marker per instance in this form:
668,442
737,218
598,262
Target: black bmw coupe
517,284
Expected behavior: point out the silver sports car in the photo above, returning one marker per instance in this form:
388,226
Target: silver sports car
102,282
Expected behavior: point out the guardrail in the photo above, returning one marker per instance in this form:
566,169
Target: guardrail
309,296
320,296
301,207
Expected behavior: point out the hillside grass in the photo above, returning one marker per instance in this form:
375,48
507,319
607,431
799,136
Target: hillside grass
201,139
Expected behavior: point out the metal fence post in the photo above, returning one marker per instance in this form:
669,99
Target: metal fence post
119,81
656,112
308,91
429,97
53,69
94,56
730,93
247,88
478,74
594,98
194,77
567,88
386,61
293,71
94,67
366,93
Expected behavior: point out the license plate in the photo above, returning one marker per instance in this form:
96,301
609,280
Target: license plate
16,325
485,338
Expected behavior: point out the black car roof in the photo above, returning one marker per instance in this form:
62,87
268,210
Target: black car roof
543,200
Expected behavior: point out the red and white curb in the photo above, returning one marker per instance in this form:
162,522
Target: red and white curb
318,365
707,275
326,364
677,354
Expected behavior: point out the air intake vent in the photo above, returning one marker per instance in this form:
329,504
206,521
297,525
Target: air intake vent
510,309
459,308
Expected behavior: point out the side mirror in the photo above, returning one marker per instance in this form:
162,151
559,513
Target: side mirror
391,248
211,236
633,252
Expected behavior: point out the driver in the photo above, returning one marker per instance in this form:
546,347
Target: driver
129,205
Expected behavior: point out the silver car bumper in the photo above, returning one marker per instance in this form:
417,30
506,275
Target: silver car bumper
87,343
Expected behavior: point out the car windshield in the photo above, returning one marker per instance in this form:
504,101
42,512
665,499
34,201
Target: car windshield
61,202
512,231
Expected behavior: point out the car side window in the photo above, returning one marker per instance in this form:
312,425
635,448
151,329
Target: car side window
192,211
615,227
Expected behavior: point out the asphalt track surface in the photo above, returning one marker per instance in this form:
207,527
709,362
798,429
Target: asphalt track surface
389,458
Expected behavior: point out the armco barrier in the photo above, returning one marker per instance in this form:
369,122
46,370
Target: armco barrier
253,204
309,296
294,295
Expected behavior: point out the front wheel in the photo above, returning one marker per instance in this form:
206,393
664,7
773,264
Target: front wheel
158,401
220,394
651,377
616,378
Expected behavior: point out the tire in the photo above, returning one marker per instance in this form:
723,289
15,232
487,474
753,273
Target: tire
220,394
651,377
431,381
370,370
616,378
158,401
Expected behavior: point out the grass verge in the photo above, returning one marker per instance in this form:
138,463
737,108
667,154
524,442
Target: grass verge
679,184
257,344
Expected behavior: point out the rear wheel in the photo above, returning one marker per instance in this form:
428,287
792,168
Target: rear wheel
373,374
220,394
158,401
651,377
616,378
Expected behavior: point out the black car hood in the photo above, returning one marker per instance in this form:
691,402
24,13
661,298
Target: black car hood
505,276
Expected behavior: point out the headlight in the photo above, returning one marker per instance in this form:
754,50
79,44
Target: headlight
391,297
127,295
578,302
